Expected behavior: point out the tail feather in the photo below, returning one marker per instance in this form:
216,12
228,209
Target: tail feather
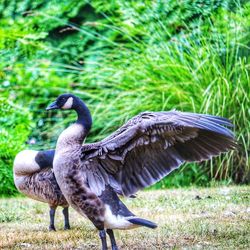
142,222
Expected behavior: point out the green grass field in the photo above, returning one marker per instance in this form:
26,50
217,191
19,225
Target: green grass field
212,218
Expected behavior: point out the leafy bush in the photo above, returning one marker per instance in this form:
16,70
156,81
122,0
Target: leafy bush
203,69
15,128
124,57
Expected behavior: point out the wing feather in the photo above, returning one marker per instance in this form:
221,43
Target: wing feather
153,144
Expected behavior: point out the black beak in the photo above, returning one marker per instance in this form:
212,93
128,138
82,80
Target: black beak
53,105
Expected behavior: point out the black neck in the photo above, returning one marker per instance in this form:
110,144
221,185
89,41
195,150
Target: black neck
45,158
83,113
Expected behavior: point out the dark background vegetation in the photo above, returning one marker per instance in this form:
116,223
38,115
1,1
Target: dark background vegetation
121,58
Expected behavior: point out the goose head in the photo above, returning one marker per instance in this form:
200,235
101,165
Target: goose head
70,101
64,101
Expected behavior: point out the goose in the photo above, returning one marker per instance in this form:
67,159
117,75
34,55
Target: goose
141,152
33,176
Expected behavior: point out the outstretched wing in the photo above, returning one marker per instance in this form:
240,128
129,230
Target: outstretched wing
150,146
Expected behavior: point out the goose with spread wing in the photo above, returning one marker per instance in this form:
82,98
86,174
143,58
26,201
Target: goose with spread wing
141,152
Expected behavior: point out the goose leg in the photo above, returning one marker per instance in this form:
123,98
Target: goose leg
52,219
66,218
112,239
102,235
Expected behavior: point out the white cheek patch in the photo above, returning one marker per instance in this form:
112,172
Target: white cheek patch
25,164
68,104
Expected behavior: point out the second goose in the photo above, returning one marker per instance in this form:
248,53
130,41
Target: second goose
33,176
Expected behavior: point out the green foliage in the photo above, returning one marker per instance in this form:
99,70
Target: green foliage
124,57
15,128
204,69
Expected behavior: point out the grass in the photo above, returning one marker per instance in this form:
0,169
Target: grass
208,218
